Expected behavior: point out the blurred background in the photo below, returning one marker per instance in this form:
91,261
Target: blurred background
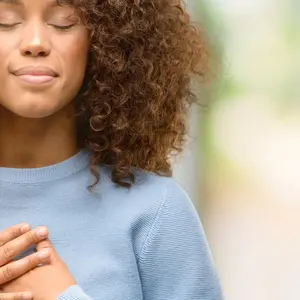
242,164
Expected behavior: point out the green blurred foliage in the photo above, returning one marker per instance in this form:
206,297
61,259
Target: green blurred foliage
255,54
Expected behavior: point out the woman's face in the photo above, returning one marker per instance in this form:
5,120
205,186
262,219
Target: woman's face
43,56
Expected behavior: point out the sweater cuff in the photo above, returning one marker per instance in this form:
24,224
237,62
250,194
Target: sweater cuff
74,292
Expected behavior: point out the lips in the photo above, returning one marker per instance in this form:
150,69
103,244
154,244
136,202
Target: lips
35,75
35,71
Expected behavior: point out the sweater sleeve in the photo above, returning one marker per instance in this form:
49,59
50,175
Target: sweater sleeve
74,292
175,261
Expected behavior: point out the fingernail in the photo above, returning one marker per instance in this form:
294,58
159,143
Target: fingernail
25,228
27,296
43,254
42,232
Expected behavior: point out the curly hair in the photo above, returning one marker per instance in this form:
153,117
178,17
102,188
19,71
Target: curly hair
136,95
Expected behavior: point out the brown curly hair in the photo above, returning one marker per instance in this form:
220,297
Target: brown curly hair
136,95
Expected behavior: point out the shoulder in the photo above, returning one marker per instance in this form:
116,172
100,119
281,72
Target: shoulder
150,210
152,201
149,190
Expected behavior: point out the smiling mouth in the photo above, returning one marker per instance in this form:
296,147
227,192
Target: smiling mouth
36,79
35,75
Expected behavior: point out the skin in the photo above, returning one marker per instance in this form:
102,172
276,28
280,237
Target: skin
13,241
22,279
36,120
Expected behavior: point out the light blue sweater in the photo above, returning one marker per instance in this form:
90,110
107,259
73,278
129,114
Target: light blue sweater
119,244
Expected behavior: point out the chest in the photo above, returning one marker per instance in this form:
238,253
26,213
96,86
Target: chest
99,255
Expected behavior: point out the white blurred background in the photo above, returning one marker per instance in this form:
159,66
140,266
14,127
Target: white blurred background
243,170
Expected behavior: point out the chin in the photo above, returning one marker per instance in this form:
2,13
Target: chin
35,110
34,114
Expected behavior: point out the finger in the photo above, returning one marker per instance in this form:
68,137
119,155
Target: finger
13,232
46,244
19,267
20,244
16,296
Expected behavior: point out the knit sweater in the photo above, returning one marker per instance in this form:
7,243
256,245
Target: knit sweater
142,243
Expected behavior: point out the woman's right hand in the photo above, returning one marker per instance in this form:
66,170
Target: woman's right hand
13,241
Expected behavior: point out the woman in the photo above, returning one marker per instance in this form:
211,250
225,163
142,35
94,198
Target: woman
93,100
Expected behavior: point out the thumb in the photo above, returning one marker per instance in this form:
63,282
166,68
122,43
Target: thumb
46,244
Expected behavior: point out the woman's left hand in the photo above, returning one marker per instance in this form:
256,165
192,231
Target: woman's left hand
46,282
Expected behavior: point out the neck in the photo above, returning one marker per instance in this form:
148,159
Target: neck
35,143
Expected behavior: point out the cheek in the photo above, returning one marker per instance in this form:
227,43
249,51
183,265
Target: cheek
6,48
7,43
73,54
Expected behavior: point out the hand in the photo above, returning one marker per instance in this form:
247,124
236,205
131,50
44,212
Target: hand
46,282
13,241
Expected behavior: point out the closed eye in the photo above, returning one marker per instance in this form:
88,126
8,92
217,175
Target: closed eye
2,25
62,27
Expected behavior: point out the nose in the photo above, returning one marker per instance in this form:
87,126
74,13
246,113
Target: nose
35,41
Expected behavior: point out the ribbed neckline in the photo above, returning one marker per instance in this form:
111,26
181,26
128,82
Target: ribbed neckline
49,173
